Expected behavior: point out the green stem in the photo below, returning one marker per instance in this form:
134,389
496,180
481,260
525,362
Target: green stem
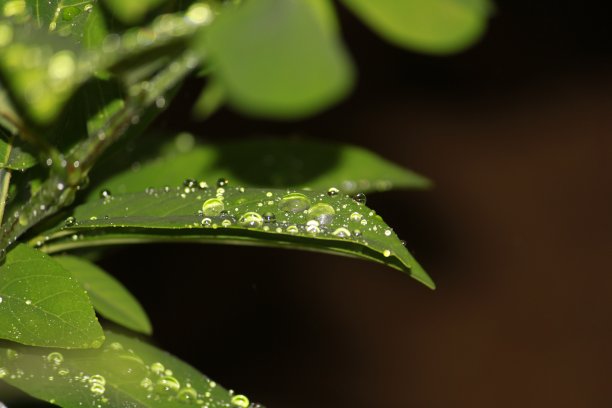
5,181
59,190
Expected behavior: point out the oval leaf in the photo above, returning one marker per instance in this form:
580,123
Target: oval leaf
108,296
431,26
326,222
43,305
124,373
278,163
276,58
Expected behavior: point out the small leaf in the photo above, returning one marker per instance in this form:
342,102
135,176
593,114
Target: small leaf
43,305
124,373
272,162
11,156
430,26
326,222
275,58
64,17
108,296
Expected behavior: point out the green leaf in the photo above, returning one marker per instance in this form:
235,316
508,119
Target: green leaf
430,26
124,373
11,156
132,11
43,305
108,296
277,163
325,222
64,17
276,58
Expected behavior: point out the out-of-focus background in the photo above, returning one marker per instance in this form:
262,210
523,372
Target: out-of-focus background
517,135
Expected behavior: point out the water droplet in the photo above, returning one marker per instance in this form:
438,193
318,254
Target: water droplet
23,219
199,14
222,182
97,383
333,192
105,194
115,346
386,253
160,102
292,229
203,185
3,372
342,232
357,233
97,389
240,401
269,217
146,383
322,212
212,207
360,198
356,217
187,395
190,183
55,358
207,222
294,202
388,233
158,368
28,302
226,223
251,220
167,384
312,227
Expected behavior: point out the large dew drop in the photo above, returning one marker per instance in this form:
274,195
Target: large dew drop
324,213
212,207
251,220
294,202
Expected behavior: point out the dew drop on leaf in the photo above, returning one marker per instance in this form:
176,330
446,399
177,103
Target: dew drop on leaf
360,198
269,217
292,229
294,202
213,207
105,194
322,212
240,401
187,395
251,220
222,182
333,192
342,232
167,384
55,358
356,217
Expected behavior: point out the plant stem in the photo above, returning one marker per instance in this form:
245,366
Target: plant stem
59,190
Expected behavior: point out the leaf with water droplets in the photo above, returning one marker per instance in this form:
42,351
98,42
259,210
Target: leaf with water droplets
431,26
41,304
64,17
108,296
12,156
275,58
123,373
321,221
278,163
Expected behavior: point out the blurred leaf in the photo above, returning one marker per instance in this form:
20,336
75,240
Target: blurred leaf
42,305
132,11
430,26
325,222
210,100
277,163
124,373
275,58
108,296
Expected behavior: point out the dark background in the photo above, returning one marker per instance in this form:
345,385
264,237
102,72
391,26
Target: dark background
517,234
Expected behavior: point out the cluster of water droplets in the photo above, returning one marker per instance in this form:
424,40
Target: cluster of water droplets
124,373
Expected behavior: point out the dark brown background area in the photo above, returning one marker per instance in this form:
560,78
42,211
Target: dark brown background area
517,234
516,134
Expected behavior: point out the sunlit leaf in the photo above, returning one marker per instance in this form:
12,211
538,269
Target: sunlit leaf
325,222
123,373
43,305
431,26
108,296
277,163
277,58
